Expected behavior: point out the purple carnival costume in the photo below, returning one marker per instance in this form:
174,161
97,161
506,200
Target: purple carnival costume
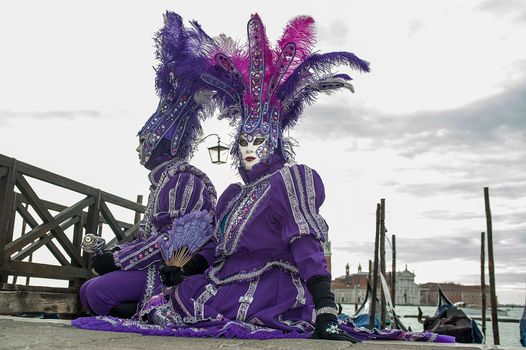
269,278
177,188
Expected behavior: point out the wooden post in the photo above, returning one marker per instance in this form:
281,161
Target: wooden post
491,266
372,314
382,260
369,276
92,222
483,281
7,210
138,213
393,270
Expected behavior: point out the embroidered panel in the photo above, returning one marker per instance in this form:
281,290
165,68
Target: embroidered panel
187,194
199,303
246,300
293,200
241,211
311,195
303,202
300,297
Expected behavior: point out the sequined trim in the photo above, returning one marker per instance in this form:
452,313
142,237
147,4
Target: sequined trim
300,297
150,285
246,300
199,303
327,310
165,315
303,203
172,197
293,199
311,194
251,275
199,203
304,326
239,212
134,257
186,194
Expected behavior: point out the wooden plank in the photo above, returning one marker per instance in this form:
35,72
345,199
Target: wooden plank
50,224
10,286
137,213
49,177
32,301
3,171
50,245
128,235
92,221
121,202
59,207
46,240
23,268
45,215
110,219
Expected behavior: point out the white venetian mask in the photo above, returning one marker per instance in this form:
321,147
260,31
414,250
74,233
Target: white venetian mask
253,148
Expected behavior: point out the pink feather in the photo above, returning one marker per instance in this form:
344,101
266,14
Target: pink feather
301,31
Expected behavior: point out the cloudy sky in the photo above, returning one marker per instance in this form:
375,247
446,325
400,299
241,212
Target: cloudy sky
441,115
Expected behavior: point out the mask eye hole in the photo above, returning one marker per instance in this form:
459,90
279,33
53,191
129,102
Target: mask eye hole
259,141
243,142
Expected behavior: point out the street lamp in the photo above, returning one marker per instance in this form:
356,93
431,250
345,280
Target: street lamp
219,152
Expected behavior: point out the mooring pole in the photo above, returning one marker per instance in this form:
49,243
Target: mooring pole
393,270
382,260
372,314
370,275
483,282
491,266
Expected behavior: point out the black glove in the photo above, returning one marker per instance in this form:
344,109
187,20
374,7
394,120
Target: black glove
170,275
103,263
197,265
326,326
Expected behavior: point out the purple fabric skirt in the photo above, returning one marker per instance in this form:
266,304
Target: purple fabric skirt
242,330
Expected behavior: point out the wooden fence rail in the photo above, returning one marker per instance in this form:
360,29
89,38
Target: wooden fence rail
49,223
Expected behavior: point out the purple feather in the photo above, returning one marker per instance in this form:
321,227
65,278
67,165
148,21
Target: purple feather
183,56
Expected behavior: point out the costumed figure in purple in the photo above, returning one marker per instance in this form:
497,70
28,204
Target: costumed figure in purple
177,190
269,278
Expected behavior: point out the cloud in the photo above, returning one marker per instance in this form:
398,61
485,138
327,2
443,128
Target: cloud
482,122
6,115
509,247
335,33
516,9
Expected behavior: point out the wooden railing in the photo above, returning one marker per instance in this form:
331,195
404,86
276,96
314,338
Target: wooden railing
57,227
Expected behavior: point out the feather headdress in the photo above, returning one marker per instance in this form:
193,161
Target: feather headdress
264,89
183,54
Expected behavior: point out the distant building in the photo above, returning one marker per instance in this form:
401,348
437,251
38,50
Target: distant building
455,292
351,288
407,291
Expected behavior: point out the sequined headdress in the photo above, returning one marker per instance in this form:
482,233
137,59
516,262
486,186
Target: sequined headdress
265,90
183,54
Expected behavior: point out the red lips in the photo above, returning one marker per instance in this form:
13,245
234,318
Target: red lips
249,158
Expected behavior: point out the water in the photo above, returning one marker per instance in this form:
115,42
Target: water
509,332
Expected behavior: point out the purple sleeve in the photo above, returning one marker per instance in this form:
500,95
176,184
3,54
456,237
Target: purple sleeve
297,194
179,195
309,257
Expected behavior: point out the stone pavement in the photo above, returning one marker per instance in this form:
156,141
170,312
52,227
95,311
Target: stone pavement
26,333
